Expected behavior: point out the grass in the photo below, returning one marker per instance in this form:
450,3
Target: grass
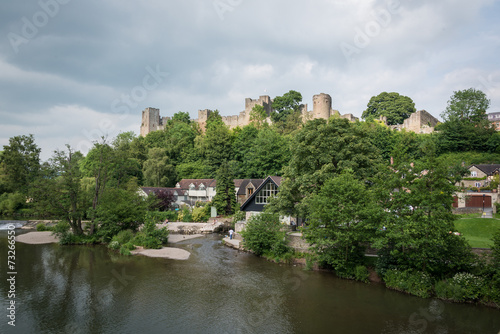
478,231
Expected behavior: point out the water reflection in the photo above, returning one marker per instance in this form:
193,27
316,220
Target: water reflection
81,289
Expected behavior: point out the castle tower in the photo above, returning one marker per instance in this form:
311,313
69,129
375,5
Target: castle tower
322,104
150,120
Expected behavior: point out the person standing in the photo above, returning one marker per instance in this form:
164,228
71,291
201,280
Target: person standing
231,234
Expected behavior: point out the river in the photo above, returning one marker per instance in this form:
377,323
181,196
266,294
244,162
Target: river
89,289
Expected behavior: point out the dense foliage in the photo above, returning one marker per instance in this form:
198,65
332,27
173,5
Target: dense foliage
395,107
337,178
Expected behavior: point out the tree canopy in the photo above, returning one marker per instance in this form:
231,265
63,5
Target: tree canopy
468,105
285,105
395,107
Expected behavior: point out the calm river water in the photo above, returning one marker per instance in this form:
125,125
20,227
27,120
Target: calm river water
79,289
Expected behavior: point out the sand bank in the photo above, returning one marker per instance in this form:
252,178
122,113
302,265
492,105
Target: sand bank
33,238
165,252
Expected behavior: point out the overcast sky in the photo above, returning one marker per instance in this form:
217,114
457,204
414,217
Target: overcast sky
72,70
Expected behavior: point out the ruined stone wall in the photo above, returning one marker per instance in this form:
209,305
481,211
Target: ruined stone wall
420,122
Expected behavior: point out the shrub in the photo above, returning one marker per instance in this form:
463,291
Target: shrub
263,234
239,216
201,214
185,215
129,246
416,283
123,237
114,244
361,273
150,236
124,251
42,227
461,288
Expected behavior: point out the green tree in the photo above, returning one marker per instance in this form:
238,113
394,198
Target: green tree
120,209
269,153
225,194
395,107
418,199
180,117
469,105
343,219
243,144
285,105
157,170
258,116
320,151
466,126
20,162
179,141
263,235
215,146
58,190
97,165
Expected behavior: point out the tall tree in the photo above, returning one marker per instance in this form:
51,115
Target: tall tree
469,105
418,218
320,151
343,218
215,146
269,153
395,107
466,126
225,194
20,163
58,190
97,164
158,170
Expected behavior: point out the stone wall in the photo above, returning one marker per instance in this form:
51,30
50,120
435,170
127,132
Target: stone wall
419,122
296,242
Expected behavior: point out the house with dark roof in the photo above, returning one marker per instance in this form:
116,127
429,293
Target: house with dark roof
197,190
256,202
480,175
245,188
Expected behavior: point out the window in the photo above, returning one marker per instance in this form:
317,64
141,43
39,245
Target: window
478,184
250,191
267,191
473,173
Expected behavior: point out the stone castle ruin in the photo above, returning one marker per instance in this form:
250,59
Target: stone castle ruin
419,122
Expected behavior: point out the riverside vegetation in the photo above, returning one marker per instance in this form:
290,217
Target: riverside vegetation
336,177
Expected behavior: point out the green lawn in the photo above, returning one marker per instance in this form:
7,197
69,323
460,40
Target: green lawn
478,231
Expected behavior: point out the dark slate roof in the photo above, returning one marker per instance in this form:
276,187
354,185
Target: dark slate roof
487,169
245,182
275,179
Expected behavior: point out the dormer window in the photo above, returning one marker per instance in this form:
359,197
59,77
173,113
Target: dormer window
192,186
202,186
